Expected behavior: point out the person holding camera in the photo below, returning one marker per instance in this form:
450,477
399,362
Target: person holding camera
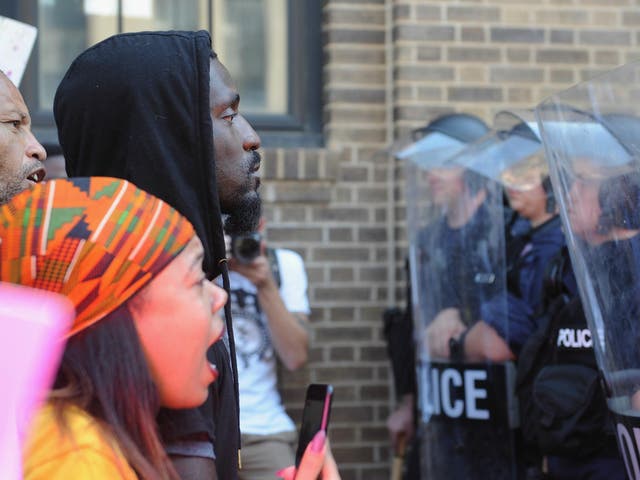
270,309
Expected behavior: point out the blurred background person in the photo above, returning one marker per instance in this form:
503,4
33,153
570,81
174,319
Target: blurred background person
460,428
567,432
450,217
590,133
270,310
488,338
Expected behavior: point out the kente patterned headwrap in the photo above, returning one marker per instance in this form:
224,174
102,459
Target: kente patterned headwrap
95,240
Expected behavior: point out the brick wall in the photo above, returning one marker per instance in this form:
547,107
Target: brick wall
482,56
392,65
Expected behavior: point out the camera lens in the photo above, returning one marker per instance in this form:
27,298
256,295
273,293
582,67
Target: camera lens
246,248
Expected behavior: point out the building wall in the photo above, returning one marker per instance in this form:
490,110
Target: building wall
483,56
390,66
331,205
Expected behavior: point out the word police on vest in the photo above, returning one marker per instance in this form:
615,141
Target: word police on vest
630,448
575,338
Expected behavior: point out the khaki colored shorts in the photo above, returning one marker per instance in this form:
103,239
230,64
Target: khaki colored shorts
264,455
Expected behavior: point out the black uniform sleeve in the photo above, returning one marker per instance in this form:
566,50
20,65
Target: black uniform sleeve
398,330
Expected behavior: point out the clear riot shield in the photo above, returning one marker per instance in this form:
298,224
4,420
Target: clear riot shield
591,135
456,235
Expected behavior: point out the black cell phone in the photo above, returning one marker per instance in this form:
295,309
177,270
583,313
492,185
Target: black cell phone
315,416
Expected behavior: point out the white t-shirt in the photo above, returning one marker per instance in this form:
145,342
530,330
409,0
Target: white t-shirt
261,409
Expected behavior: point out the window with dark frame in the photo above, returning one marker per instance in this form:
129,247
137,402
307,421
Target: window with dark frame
271,47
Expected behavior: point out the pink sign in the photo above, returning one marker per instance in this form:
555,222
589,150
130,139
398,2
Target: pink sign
32,325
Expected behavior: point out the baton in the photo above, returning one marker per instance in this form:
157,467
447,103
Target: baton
398,459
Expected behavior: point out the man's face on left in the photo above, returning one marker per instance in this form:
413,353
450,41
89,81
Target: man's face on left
237,160
21,155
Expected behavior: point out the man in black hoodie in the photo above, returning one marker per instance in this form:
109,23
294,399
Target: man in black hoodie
159,109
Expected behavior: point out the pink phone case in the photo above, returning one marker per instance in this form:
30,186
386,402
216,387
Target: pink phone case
32,324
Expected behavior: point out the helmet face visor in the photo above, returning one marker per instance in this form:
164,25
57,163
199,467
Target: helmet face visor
511,154
432,150
526,174
510,158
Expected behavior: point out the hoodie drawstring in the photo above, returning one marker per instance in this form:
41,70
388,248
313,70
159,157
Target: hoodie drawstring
232,347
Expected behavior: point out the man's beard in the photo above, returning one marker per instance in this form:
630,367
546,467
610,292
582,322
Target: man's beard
245,216
12,186
10,189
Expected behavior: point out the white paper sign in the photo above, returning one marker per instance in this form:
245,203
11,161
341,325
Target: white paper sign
16,42
130,9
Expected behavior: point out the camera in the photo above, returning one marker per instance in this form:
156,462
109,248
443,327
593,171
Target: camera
246,248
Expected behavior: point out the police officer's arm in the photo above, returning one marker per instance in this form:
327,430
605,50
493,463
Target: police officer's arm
401,422
482,342
288,330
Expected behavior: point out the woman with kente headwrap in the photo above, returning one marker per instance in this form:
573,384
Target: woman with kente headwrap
128,262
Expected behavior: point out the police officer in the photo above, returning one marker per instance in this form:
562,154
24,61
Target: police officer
524,175
454,203
565,426
513,157
590,133
456,233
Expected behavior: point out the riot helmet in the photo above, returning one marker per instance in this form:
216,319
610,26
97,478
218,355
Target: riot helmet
434,145
442,138
512,155
463,127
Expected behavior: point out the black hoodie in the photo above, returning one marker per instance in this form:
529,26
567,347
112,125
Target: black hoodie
136,106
